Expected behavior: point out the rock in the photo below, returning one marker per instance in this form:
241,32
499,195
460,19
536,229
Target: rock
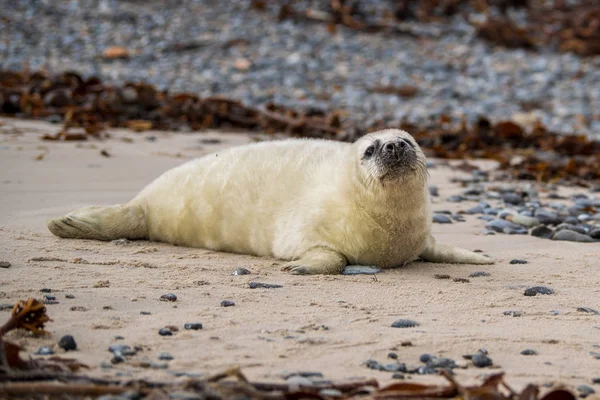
5,264
260,285
584,391
458,218
165,332
528,352
404,323
392,355
475,210
441,363
512,198
122,349
117,359
433,190
299,381
481,360
168,297
441,219
241,271
512,313
441,276
194,326
542,231
424,358
595,234
155,365
596,381
532,291
595,354
45,351
67,343
528,222
49,297
456,199
398,376
588,310
518,261
165,356
478,274
183,395
572,236
360,270
504,226
547,217
46,290
145,313
325,393
227,303
571,227
69,296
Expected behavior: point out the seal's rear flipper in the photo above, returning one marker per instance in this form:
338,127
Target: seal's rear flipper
102,223
441,253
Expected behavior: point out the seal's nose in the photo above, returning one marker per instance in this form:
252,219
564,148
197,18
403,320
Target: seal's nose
395,148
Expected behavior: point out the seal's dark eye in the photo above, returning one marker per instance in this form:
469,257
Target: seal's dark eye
369,151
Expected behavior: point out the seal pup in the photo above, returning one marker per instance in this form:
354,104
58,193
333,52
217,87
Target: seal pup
317,204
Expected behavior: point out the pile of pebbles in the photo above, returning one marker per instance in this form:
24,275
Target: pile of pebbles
229,48
520,211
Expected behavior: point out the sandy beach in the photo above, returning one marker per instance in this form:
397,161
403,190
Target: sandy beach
330,324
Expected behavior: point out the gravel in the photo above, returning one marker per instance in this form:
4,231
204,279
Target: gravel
210,48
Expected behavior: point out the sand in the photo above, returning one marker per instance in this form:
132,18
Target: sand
331,324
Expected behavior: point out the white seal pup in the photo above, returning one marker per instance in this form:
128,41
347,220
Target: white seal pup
317,204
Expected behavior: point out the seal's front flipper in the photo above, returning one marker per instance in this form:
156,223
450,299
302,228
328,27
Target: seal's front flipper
441,253
102,223
318,260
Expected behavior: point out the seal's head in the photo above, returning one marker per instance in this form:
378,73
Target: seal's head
391,155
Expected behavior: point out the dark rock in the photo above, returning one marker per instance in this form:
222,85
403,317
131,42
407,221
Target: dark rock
504,226
548,217
441,362
165,356
456,199
512,313
304,374
512,198
434,191
360,270
67,343
404,323
596,381
518,261
145,313
122,349
45,351
532,291
571,236
425,370
165,332
69,296
227,303
461,280
584,391
441,219
260,285
5,264
117,359
398,376
424,358
475,210
441,276
168,297
46,290
392,355
458,218
241,271
6,307
478,274
570,227
542,231
193,326
595,234
588,310
528,352
481,360
49,297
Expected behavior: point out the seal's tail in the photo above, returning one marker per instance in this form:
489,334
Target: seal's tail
102,223
441,253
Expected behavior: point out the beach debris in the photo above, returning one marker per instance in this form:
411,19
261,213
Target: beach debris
478,274
481,360
261,285
512,313
360,270
518,261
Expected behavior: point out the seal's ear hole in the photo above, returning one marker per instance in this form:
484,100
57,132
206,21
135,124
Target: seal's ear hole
369,151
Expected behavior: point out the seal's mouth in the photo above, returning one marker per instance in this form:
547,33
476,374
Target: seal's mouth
393,159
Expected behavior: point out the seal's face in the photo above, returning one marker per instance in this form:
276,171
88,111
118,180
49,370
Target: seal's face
391,155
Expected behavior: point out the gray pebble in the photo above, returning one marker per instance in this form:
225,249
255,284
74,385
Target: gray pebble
227,303
481,360
165,356
183,395
45,351
392,355
441,219
360,270
241,271
478,274
424,358
434,191
69,296
528,222
260,285
168,297
165,332
504,226
584,391
67,343
404,323
547,217
193,326
162,365
595,234
5,264
542,231
571,227
532,291
330,393
512,313
518,261
398,376
528,352
596,381
456,198
572,236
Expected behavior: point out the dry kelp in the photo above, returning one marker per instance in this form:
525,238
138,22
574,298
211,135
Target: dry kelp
87,107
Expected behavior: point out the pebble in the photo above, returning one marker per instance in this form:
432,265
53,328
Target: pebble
241,271
145,313
532,291
512,313
441,276
504,226
194,326
117,359
67,343
6,307
69,296
595,233
46,290
528,222
398,376
260,285
165,332
584,391
325,393
305,374
360,270
547,217
441,362
528,352
297,380
45,351
478,274
49,297
227,303
165,356
542,231
518,261
424,358
572,236
441,219
481,360
168,297
5,264
456,198
596,381
434,191
404,323
122,349
392,355
512,198
571,227
588,310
